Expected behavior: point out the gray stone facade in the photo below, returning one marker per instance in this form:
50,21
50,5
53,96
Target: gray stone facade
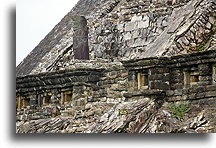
122,66
179,78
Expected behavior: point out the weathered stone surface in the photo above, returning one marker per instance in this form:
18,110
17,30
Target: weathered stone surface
167,30
118,90
114,101
80,38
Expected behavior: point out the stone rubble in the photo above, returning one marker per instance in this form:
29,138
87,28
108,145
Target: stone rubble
141,116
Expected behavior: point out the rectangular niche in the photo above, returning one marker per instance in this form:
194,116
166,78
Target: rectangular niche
66,97
142,79
47,100
26,102
191,78
213,74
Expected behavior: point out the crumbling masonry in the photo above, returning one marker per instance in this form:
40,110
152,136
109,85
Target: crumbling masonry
116,66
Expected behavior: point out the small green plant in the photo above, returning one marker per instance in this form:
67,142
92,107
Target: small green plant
202,47
179,109
122,111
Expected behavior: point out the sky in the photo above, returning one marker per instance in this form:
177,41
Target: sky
34,20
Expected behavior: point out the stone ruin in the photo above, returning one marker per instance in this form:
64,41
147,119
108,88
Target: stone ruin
122,66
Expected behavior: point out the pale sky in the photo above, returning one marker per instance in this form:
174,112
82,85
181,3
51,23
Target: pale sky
34,20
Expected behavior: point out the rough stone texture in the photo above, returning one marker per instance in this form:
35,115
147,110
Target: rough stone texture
121,29
144,56
105,97
58,42
80,38
141,116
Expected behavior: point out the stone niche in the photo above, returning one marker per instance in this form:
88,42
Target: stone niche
26,102
142,80
191,77
47,99
66,97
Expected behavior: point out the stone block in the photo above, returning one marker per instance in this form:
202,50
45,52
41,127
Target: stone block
212,20
114,86
124,74
170,93
143,24
155,77
138,42
145,18
210,94
209,26
204,69
174,80
120,27
144,32
127,36
131,26
136,33
178,92
200,95
130,43
177,86
136,18
159,70
100,83
162,77
103,99
159,85
210,88
203,83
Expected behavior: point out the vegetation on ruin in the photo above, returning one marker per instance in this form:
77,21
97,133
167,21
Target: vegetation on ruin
122,111
179,109
202,47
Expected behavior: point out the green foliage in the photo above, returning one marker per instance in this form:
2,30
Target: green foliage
202,47
179,109
122,111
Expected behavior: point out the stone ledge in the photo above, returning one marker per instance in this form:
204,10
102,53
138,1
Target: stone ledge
145,93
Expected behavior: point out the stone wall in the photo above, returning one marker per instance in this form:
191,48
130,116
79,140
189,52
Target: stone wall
183,77
137,29
135,72
177,72
83,82
127,28
198,35
88,90
131,29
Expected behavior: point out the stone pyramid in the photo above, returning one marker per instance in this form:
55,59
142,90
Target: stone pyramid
126,29
122,66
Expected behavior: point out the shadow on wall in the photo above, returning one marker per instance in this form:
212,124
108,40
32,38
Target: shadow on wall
30,138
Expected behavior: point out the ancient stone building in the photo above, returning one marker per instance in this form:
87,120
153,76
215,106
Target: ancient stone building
122,66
